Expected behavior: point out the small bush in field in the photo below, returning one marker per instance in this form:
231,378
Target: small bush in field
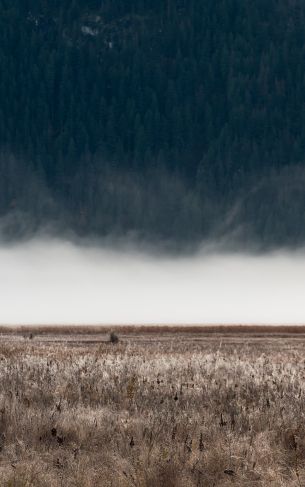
113,338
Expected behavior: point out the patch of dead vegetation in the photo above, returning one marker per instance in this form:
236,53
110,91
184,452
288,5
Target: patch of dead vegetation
174,414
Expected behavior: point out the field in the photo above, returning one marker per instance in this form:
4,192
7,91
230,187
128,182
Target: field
159,408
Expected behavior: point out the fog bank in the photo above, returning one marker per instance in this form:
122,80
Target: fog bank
61,283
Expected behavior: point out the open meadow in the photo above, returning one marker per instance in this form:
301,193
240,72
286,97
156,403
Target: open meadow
159,408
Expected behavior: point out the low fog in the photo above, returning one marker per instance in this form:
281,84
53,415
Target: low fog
56,282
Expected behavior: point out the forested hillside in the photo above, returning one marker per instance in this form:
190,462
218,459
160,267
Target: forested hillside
171,119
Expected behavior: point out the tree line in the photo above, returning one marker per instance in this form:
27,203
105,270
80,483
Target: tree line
175,119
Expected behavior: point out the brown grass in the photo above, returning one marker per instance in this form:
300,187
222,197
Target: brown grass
183,411
155,329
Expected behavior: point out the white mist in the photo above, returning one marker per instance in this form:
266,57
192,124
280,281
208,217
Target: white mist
60,283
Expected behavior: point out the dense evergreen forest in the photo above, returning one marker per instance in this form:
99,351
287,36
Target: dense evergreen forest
166,119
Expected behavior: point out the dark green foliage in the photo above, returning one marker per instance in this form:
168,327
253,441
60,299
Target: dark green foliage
156,117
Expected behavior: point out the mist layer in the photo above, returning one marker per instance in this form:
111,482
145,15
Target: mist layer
62,283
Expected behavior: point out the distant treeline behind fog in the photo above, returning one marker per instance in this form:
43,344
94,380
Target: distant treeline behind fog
176,121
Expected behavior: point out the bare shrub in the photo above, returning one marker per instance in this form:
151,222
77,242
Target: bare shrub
113,338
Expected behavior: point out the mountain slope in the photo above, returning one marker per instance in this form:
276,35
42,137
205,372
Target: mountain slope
207,96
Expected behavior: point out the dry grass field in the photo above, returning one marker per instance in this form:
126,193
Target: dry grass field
157,409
